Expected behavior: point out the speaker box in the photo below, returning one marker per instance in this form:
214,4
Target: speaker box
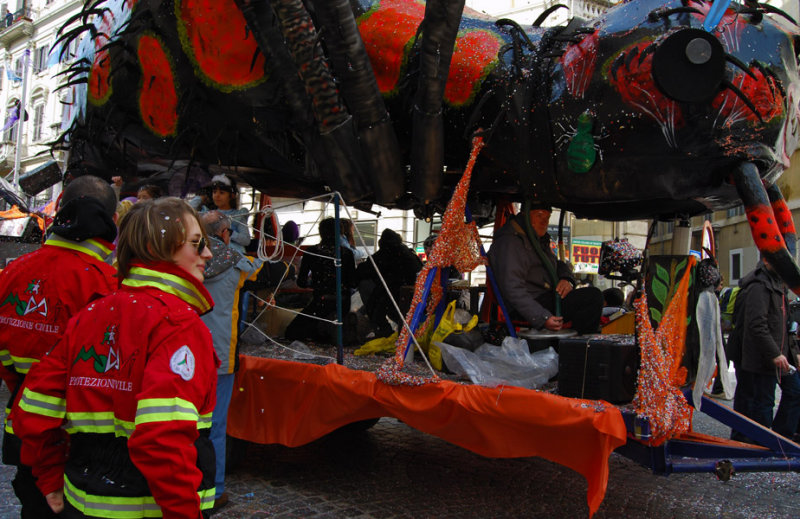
598,367
39,179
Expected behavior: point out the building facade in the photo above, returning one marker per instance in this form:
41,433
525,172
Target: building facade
29,66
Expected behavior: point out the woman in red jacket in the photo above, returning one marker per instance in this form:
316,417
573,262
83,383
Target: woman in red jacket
132,383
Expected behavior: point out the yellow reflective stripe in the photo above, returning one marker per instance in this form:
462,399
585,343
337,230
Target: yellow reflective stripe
45,405
165,410
207,498
169,283
102,423
22,364
204,422
5,358
8,427
89,247
232,349
123,507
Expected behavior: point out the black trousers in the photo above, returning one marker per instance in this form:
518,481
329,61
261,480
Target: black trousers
581,309
304,327
34,505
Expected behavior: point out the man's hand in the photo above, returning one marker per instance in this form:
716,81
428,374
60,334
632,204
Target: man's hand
554,323
117,181
56,501
782,363
563,288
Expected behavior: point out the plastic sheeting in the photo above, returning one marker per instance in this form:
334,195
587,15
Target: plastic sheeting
509,364
293,403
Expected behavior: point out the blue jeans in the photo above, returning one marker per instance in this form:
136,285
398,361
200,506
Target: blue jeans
788,414
219,426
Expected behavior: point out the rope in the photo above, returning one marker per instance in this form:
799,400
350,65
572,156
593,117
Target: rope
276,343
406,327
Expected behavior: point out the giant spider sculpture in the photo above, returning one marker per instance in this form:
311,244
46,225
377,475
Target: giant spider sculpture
653,110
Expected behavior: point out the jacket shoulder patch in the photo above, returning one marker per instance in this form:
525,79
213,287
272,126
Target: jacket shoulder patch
182,363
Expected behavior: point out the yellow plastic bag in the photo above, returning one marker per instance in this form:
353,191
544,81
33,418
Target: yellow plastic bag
377,345
447,325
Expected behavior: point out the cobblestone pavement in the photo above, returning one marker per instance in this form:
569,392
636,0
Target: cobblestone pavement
394,471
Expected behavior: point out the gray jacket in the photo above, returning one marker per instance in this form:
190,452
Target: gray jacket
520,273
225,274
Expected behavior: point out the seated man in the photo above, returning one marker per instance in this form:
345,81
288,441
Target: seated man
529,286
399,266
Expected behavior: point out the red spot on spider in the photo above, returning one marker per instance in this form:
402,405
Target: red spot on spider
158,99
215,36
387,33
635,84
474,57
99,84
762,91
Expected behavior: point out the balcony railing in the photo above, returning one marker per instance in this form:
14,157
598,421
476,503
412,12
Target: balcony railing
24,14
16,25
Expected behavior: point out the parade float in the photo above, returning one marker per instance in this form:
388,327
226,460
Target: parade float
654,110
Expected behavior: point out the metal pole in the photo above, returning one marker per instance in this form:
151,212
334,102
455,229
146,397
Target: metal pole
338,265
21,121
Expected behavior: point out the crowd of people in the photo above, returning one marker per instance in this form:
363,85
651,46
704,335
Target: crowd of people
119,337
119,343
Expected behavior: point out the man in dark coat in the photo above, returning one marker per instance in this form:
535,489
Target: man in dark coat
762,352
317,270
526,283
399,266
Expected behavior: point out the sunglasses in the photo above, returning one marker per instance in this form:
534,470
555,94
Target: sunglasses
200,245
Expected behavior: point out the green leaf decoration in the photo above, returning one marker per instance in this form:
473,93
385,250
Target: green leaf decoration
655,314
688,320
680,266
662,274
660,291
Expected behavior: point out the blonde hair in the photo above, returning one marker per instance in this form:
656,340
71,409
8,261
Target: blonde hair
152,231
122,208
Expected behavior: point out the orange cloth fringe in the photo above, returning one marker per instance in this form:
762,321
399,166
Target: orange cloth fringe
293,403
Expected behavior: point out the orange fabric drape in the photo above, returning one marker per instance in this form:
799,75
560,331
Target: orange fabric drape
658,395
505,422
14,212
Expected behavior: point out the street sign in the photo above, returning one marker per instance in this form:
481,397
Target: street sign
585,256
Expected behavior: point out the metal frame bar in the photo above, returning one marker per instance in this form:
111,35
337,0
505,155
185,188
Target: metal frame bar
680,455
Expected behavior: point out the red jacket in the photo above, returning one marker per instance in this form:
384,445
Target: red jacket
133,383
40,292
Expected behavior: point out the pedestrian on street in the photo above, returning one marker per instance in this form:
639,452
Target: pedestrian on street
225,274
763,354
41,291
114,421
